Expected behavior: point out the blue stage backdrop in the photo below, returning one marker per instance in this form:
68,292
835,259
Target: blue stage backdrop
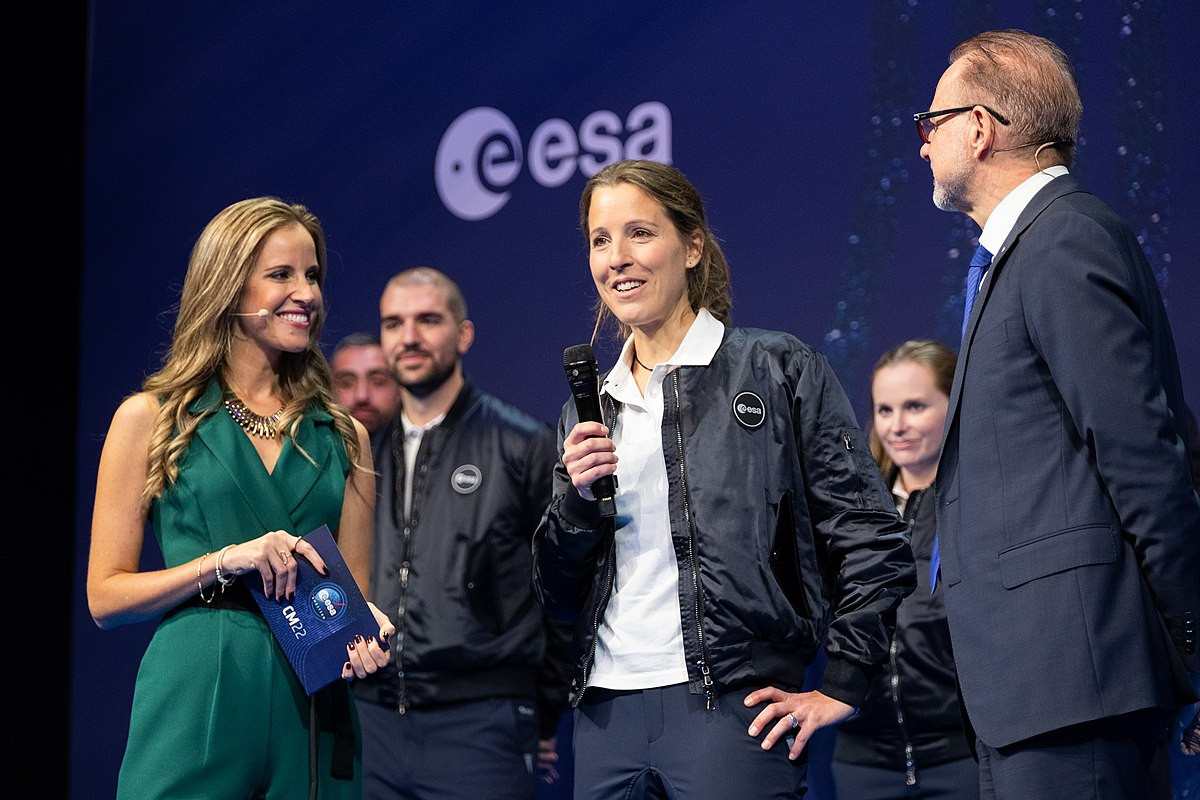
460,135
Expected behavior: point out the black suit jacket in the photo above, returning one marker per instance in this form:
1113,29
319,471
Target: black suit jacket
1070,531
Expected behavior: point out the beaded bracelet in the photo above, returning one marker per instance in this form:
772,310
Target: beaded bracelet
200,582
222,577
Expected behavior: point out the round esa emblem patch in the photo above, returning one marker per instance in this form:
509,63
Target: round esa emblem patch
466,479
328,600
749,410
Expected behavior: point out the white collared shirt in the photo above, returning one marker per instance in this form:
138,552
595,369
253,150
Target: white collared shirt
899,494
1004,217
413,434
640,641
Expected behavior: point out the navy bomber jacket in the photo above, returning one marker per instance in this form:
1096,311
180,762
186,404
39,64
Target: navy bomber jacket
779,518
455,577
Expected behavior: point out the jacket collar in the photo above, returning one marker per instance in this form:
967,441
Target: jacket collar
1060,186
467,397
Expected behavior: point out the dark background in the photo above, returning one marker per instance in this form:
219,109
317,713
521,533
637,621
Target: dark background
793,119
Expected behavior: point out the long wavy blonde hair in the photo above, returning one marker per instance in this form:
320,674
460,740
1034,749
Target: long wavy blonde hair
220,264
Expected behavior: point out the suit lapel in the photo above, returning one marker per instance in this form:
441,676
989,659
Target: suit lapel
227,443
1060,186
295,475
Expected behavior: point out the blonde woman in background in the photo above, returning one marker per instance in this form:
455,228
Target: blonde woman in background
908,741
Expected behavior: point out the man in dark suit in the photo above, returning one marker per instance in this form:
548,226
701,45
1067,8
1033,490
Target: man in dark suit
1069,529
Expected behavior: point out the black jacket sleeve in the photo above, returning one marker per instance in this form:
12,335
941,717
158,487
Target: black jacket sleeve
554,677
567,539
862,542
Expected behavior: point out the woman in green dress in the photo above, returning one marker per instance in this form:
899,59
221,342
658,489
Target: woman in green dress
232,450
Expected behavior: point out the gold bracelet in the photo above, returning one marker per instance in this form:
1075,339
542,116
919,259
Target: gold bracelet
200,582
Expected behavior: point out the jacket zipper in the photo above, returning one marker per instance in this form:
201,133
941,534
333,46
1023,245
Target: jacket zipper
410,521
910,764
849,445
401,629
591,656
604,594
710,694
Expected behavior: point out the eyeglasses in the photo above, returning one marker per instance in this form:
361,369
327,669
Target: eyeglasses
926,125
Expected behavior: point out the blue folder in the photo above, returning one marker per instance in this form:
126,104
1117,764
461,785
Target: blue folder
326,614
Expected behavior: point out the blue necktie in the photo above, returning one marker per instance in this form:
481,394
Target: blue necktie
980,261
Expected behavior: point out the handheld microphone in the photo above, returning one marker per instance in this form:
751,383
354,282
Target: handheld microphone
262,312
580,365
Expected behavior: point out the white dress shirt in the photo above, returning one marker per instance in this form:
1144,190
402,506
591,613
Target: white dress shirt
640,641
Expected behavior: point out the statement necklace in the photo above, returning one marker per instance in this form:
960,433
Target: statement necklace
253,424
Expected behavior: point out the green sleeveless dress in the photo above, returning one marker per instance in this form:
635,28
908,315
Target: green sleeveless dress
217,710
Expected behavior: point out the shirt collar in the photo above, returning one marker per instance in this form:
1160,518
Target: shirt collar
699,345
411,427
1004,217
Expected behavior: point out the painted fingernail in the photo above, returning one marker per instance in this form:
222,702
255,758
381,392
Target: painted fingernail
350,647
346,667
358,638
370,639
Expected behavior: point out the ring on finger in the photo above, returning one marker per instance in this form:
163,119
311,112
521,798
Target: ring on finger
286,556
795,722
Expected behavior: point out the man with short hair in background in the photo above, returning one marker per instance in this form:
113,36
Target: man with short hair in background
478,678
362,381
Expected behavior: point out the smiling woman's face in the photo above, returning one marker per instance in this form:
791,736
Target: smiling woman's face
638,259
910,416
285,283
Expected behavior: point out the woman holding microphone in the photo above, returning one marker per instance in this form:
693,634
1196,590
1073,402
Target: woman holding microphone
751,523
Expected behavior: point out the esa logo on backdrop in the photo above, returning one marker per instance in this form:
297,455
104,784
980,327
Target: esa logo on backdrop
480,153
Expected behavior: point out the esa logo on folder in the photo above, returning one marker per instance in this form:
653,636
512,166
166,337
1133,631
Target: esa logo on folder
326,614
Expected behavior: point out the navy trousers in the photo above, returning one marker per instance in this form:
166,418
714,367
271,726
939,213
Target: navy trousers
1107,759
662,744
467,751
953,780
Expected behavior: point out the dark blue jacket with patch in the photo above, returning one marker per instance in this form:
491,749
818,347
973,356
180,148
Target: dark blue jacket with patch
784,533
455,577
